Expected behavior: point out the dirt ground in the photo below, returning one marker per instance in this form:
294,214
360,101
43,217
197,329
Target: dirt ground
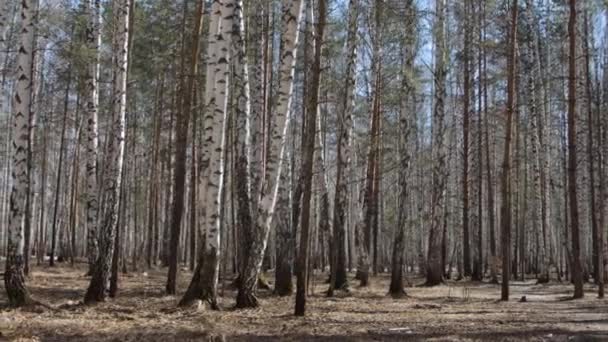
456,311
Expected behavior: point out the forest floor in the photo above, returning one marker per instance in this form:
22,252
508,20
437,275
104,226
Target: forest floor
456,311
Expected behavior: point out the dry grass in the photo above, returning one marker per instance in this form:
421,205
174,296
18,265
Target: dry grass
457,311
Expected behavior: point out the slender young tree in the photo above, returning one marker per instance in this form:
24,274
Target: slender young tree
5,10
434,269
152,243
339,279
466,115
591,169
308,161
4,21
14,279
505,206
183,119
59,174
203,285
242,139
405,128
37,62
577,276
491,210
99,284
93,41
367,223
290,19
285,238
541,132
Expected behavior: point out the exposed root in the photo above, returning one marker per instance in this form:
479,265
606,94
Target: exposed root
246,301
399,294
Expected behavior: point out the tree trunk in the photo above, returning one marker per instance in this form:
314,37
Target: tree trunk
93,40
339,275
242,143
491,209
405,127
478,267
595,229
181,147
41,248
14,280
203,285
434,271
152,244
505,206
285,240
60,168
98,286
291,15
308,162
577,277
465,145
120,231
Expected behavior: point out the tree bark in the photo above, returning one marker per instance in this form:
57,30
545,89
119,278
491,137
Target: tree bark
308,162
577,277
406,111
434,271
98,286
60,167
339,275
203,285
465,144
595,228
491,209
285,240
93,41
152,243
505,206
242,143
181,147
291,15
14,280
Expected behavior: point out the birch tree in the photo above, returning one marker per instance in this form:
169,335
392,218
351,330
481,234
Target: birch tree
183,119
93,41
345,120
203,285
99,284
434,274
4,27
242,138
267,198
14,279
4,24
577,277
466,249
505,206
308,161
406,124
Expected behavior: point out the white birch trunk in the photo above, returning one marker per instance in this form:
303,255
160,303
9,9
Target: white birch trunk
243,135
14,280
98,286
204,281
4,27
290,18
4,24
258,91
93,40
434,274
406,126
345,120
325,228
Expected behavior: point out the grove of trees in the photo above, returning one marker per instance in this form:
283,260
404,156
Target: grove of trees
240,139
